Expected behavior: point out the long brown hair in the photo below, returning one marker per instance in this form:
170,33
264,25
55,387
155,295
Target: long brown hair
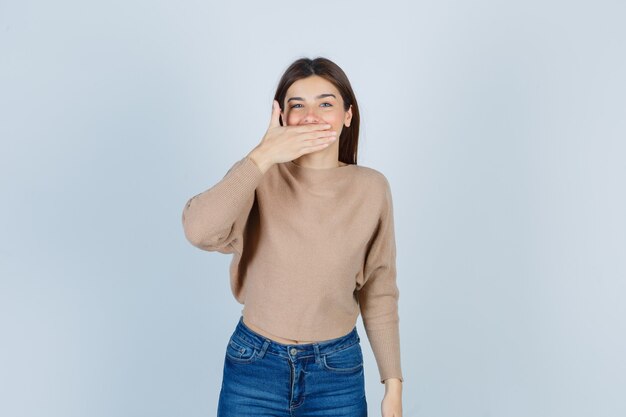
325,68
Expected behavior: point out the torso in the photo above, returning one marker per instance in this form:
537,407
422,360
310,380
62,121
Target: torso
273,337
266,191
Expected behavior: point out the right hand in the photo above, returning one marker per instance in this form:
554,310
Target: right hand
286,143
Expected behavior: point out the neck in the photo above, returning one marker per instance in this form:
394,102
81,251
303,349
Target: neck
337,164
317,161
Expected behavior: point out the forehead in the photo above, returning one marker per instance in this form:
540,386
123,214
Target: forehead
310,87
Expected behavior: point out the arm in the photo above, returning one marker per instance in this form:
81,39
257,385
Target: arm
214,220
379,295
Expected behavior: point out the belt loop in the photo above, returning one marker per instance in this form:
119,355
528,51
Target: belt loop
316,348
266,343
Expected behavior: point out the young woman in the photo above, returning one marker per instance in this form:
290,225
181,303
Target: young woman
313,245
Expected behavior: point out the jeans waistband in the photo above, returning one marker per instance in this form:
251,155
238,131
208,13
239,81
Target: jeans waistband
247,336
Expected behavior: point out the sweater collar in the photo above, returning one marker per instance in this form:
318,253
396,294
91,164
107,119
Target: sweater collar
317,175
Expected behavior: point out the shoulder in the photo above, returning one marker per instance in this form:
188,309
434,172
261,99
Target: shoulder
374,179
377,187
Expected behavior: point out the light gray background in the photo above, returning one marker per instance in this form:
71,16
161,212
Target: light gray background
500,126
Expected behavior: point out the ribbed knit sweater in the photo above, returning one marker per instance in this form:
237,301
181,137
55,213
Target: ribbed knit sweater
312,248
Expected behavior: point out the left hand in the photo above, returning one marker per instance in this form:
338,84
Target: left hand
391,405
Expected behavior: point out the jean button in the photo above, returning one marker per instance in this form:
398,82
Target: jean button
294,351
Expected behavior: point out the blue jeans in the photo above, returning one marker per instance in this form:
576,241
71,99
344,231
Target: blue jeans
265,378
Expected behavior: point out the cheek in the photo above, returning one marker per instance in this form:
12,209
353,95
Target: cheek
333,117
291,117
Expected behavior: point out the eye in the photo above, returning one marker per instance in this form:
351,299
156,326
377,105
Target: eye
294,106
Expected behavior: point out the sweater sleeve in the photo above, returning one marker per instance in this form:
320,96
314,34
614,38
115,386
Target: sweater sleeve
214,220
379,295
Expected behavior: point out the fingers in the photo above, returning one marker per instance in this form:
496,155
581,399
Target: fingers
275,119
311,127
315,134
313,145
314,148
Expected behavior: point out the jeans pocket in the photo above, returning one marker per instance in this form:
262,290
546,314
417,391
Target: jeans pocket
239,352
349,359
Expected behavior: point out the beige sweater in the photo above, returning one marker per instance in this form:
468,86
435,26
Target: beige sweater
312,248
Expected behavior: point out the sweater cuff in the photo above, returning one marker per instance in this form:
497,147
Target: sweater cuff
386,347
248,173
243,178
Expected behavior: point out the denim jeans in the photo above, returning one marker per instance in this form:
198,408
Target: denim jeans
265,378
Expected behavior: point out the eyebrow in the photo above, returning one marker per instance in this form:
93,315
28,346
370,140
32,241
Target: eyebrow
318,97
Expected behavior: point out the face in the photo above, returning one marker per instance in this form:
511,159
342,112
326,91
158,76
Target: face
315,100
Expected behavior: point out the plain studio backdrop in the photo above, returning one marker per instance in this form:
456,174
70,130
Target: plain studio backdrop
501,127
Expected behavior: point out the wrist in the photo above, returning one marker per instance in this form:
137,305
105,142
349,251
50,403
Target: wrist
393,385
260,160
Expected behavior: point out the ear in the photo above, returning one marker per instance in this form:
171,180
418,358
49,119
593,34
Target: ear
348,117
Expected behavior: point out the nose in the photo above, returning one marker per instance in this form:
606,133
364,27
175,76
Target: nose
311,116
